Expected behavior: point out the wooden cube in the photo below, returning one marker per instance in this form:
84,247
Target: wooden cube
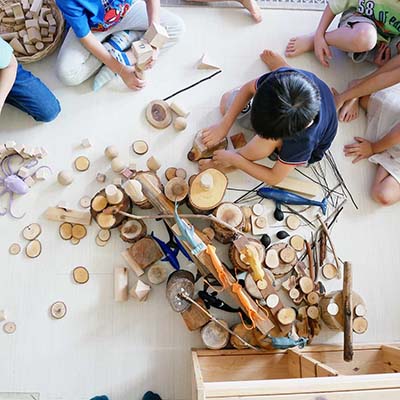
18,13
17,46
143,51
32,23
51,20
34,35
25,5
36,7
156,36
30,49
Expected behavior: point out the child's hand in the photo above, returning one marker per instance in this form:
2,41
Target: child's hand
360,150
322,50
383,55
225,158
131,80
213,135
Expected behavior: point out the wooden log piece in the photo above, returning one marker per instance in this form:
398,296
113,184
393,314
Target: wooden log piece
313,312
140,147
306,284
176,190
180,283
348,312
120,284
231,214
32,231
194,318
244,333
272,259
286,316
297,242
287,255
18,47
329,271
214,336
33,249
144,253
170,173
78,231
80,275
132,230
293,222
179,109
322,247
360,325
199,151
159,114
157,274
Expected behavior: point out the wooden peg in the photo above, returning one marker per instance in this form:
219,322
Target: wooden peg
113,194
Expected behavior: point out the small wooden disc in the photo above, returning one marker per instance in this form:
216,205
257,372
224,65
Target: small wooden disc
14,249
105,221
79,231
297,242
82,164
333,309
33,249
286,316
293,222
360,310
313,312
158,114
360,325
214,336
157,274
262,284
261,222
329,271
75,241
104,235
132,230
176,189
258,209
272,259
99,203
181,173
140,147
81,275
294,294
313,298
287,255
9,327
100,243
31,232
272,300
306,284
58,310
65,231
84,202
170,173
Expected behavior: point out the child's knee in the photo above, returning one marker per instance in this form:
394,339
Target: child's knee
49,111
382,197
67,74
365,39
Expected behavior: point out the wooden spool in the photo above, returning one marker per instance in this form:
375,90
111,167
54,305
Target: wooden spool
180,283
232,215
176,190
194,318
214,336
236,259
329,271
286,316
282,269
360,325
159,114
199,151
245,334
132,230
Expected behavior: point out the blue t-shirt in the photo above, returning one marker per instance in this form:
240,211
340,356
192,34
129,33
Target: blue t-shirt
310,145
93,15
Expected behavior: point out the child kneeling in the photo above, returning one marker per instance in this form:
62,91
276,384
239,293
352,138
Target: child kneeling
292,113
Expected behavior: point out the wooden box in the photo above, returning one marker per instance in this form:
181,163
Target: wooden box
314,373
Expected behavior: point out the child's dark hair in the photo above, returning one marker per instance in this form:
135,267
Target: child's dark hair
285,104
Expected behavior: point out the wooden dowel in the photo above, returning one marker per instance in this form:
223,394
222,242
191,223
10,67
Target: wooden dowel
348,313
310,261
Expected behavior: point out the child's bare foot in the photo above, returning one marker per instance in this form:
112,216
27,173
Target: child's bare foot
349,111
253,8
273,60
299,45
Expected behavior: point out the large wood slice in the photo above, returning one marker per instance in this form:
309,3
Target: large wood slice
245,334
132,230
152,176
176,189
145,253
102,215
232,215
204,199
236,260
283,268
214,336
199,151
180,282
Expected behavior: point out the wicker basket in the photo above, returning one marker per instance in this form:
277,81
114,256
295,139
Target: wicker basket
51,46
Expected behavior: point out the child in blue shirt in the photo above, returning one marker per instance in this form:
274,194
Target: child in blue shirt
93,22
23,90
292,112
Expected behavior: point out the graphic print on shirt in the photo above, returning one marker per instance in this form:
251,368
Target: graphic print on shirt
114,11
387,19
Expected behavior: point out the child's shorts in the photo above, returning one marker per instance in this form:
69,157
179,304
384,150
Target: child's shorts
243,118
348,20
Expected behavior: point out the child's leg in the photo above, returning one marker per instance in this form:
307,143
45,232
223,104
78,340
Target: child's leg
385,189
273,60
359,38
32,96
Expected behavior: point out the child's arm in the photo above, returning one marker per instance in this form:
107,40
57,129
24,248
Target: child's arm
214,134
127,73
363,148
321,48
7,79
153,11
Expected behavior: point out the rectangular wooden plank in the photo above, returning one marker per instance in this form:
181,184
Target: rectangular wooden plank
299,186
67,215
294,364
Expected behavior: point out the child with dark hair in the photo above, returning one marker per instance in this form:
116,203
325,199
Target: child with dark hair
292,113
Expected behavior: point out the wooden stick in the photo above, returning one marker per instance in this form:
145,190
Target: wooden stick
326,231
190,300
310,261
348,313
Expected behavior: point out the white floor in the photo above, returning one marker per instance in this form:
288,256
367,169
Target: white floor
122,350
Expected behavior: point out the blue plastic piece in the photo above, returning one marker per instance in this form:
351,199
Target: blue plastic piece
283,343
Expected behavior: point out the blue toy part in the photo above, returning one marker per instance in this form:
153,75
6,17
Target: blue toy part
100,398
183,250
170,255
280,196
283,343
188,235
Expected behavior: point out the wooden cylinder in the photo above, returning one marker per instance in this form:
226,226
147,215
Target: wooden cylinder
348,312
206,181
214,336
360,325
114,195
133,189
120,284
232,215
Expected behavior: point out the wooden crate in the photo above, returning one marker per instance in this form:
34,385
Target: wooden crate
314,373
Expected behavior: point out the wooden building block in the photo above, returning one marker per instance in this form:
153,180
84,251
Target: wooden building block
9,35
48,39
8,20
44,32
18,13
143,51
179,109
29,181
43,23
52,30
22,33
17,46
299,186
8,11
67,215
156,36
50,19
19,27
25,5
34,35
44,11
32,23
26,40
24,172
140,290
205,63
194,318
36,7
121,284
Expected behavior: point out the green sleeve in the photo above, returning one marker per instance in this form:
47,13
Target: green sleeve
339,6
6,52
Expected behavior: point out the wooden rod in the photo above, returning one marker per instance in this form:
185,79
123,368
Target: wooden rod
348,312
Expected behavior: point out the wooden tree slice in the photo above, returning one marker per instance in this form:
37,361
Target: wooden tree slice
84,202
170,173
272,259
329,271
194,318
306,284
360,310
104,235
272,300
176,189
140,147
82,164
32,231
144,253
261,222
286,316
33,249
283,268
105,221
237,259
313,298
99,203
157,274
58,310
333,309
199,151
81,275
360,325
181,173
313,312
75,241
293,222
294,294
206,200
159,114
132,230
258,209
287,255
78,231
14,249
177,287
100,243
214,336
245,334
297,242
9,328
253,288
